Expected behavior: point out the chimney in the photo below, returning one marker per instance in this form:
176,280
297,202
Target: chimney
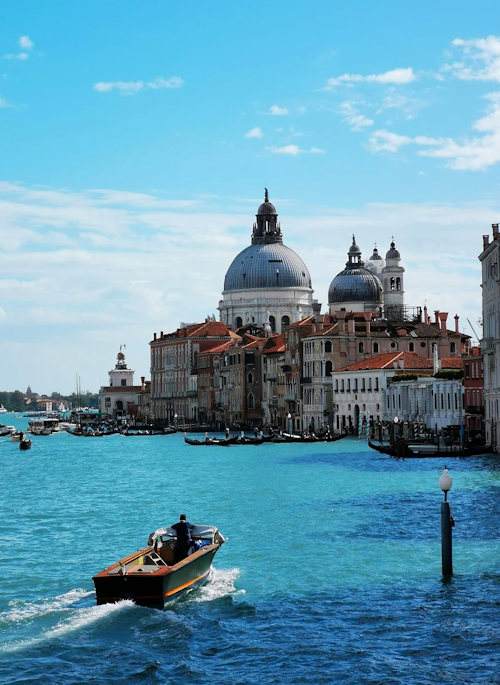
143,378
154,336
486,241
351,324
426,319
436,316
161,334
495,231
341,319
368,317
443,316
456,323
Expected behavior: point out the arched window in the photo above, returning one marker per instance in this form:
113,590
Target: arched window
250,401
238,322
328,346
272,323
250,378
285,321
393,284
119,405
328,368
361,347
398,283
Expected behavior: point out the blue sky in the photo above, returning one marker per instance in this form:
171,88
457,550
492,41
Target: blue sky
136,140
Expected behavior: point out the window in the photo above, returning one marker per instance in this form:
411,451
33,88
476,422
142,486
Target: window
272,323
285,321
328,368
250,378
411,347
250,401
453,347
124,381
375,348
328,346
360,347
238,323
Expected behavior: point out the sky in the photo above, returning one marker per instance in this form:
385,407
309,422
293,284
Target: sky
136,140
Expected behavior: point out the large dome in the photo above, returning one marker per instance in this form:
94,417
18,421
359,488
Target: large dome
355,285
267,265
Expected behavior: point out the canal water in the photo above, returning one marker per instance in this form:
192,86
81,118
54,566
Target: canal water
331,572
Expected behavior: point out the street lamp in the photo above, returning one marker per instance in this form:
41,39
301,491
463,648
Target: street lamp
445,482
447,523
289,417
175,421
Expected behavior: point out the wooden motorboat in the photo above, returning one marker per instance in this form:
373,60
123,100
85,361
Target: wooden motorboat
152,576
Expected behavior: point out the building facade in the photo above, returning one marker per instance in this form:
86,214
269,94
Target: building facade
490,344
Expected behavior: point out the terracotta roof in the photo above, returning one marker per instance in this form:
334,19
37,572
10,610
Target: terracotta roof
303,322
274,344
409,361
220,347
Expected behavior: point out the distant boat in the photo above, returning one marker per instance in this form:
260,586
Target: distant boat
3,410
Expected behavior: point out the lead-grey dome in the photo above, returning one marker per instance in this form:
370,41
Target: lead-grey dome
393,253
355,285
267,265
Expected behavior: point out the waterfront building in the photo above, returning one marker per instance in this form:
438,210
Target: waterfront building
360,390
273,382
119,399
490,344
210,383
473,392
174,393
267,284
436,403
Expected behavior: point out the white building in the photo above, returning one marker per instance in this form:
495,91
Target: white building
267,283
490,344
120,397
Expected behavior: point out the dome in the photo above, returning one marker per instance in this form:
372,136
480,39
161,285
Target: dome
267,208
393,253
355,285
375,255
267,265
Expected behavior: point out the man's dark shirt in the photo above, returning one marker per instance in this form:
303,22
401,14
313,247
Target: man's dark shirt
183,531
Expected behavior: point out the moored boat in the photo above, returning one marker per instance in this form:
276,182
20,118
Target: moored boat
152,576
208,440
405,450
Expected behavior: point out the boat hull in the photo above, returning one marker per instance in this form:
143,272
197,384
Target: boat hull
154,589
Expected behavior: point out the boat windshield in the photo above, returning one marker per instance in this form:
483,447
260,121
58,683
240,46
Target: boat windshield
197,533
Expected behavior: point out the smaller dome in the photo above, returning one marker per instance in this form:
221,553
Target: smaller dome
267,208
375,255
393,253
355,285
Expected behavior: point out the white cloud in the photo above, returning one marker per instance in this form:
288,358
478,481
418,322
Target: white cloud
133,87
254,133
276,111
4,103
353,117
472,154
25,43
294,150
482,59
395,76
21,56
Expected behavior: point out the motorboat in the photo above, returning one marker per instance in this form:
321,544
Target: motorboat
25,444
43,426
153,576
3,410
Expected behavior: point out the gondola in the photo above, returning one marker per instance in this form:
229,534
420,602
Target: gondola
415,450
220,442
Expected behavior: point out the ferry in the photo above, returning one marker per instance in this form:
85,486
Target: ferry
43,426
152,576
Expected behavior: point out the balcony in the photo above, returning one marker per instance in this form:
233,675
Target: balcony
304,380
192,393
287,368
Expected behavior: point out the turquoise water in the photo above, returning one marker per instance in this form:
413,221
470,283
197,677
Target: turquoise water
331,572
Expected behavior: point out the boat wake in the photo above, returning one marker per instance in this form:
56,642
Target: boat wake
59,616
220,584
22,611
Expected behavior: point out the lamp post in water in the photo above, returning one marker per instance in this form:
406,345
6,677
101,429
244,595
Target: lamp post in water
447,523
